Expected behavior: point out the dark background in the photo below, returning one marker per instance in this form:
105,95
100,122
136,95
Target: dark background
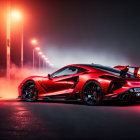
75,31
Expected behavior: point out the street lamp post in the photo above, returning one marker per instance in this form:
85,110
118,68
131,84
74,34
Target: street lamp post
17,15
34,42
43,64
22,46
33,59
39,64
37,49
43,56
8,40
46,61
40,53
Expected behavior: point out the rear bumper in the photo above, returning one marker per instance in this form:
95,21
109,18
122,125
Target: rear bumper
126,96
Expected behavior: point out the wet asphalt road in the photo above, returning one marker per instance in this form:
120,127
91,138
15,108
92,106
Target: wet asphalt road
63,121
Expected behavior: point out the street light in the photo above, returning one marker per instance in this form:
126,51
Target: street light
46,58
17,15
8,39
14,15
49,63
34,42
43,56
40,53
37,48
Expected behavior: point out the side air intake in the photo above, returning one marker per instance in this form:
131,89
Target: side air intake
114,86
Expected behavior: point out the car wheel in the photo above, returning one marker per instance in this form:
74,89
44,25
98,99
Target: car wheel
29,91
92,93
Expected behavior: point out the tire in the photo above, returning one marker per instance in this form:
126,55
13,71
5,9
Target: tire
29,91
92,93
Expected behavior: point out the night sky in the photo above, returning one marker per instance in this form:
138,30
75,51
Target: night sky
75,31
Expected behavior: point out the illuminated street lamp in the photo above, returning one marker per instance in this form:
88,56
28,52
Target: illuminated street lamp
13,15
17,15
8,39
34,42
40,54
37,48
46,58
43,56
49,63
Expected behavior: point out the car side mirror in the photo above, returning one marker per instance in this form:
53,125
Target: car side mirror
49,76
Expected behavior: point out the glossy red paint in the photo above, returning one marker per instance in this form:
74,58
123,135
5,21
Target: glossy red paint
68,86
121,67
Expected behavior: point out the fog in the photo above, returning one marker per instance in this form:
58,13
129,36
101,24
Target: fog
65,56
9,88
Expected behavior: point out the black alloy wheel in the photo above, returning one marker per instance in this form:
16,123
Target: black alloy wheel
92,93
29,91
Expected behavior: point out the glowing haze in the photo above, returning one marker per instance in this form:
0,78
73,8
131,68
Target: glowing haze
79,31
72,32
66,56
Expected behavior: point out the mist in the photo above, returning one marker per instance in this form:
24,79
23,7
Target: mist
9,88
71,32
70,55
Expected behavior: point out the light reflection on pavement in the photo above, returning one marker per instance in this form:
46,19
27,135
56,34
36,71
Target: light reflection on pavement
64,121
17,122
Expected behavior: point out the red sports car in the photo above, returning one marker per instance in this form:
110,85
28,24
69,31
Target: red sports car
90,83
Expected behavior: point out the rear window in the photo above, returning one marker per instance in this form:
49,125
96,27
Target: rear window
108,69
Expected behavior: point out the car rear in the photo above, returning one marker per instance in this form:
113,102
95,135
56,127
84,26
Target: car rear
123,84
125,89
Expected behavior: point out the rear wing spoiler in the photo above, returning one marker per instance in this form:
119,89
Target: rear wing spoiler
124,69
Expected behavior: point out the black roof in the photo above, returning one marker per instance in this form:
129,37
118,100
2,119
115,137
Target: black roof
102,67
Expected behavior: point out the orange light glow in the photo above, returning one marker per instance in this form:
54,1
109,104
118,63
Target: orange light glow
16,14
34,41
43,56
40,53
37,48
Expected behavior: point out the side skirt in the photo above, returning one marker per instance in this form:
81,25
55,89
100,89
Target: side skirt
62,99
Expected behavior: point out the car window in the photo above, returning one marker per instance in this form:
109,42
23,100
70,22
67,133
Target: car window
67,71
81,70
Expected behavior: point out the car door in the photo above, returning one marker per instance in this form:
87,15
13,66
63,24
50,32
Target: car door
62,81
